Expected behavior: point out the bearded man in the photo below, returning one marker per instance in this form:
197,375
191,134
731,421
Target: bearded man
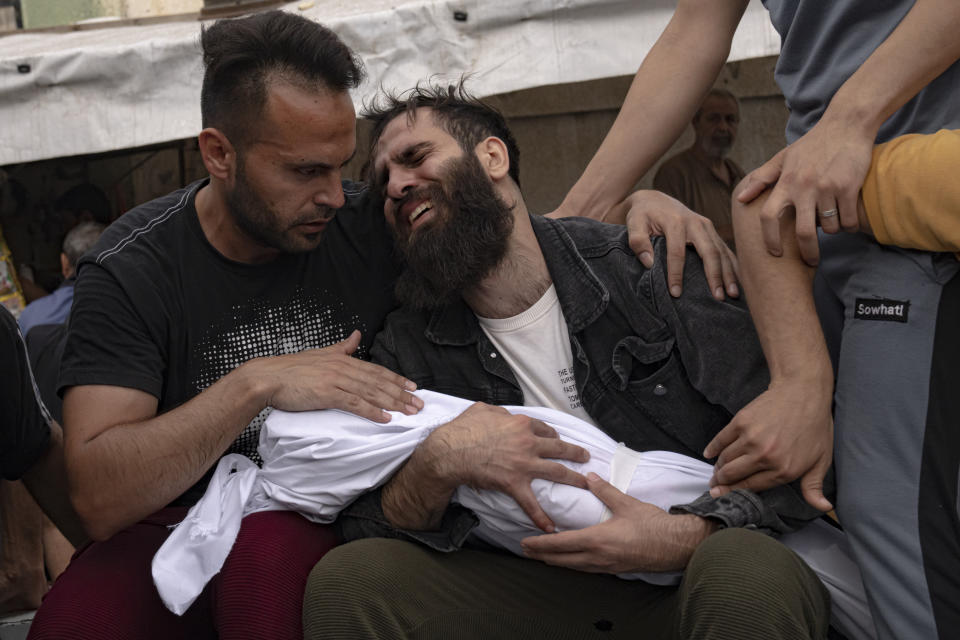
703,176
507,308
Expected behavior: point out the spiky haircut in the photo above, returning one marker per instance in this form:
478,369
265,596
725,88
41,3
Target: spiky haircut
241,56
466,118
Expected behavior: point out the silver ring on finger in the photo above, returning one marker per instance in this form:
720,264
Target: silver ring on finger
829,213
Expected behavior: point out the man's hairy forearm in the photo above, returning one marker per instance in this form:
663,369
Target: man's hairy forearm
681,538
139,464
417,496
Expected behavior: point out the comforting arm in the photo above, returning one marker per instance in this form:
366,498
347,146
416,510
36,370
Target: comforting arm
787,431
664,95
717,336
125,462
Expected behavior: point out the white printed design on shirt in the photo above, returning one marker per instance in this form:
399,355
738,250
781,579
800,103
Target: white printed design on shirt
257,330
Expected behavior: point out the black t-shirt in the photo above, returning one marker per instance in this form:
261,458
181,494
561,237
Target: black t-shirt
158,308
24,421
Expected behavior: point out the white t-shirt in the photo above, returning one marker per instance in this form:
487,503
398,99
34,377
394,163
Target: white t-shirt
539,337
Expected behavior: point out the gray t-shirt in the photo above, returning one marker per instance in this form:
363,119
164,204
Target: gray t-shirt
824,43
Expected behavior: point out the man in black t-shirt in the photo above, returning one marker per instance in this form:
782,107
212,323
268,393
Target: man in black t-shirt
196,312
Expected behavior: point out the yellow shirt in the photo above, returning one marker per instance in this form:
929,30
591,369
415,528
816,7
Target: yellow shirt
912,192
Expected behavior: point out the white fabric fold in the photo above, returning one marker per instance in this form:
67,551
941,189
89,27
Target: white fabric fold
196,550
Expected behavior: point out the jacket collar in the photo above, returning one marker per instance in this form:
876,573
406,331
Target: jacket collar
583,298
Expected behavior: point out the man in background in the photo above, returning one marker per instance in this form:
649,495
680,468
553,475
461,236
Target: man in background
703,177
55,308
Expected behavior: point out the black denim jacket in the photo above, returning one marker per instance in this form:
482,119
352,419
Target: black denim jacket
653,371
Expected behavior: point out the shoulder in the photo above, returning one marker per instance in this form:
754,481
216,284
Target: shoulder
586,236
676,160
674,174
676,163
144,226
405,322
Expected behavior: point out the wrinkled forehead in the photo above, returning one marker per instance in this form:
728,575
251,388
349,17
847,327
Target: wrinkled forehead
406,130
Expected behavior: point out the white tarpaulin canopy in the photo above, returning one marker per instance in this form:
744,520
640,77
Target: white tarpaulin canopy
95,90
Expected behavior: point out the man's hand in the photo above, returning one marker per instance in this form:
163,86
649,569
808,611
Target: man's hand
487,447
651,213
638,537
330,378
821,173
784,434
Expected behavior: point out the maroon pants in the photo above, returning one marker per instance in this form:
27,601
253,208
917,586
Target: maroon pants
107,592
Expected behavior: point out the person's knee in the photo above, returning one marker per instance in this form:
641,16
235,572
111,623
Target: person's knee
743,582
352,590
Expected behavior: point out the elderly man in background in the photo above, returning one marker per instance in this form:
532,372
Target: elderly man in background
55,308
703,177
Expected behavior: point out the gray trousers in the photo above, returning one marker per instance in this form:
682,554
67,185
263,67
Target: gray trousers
892,322
739,584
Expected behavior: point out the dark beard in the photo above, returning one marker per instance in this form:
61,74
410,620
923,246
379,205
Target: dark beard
462,246
253,217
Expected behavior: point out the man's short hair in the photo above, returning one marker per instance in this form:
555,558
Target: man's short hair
81,239
243,55
469,120
716,92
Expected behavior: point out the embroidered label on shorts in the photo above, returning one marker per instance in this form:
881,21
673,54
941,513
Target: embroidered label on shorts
882,309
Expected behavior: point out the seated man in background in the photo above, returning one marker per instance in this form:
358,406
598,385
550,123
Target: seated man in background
41,272
508,308
31,450
55,308
44,321
703,177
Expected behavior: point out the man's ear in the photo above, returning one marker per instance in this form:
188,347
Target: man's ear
494,157
219,155
65,268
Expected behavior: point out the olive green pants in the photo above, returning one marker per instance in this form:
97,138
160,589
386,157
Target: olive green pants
739,584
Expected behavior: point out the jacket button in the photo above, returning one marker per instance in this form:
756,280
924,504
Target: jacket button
493,355
659,390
